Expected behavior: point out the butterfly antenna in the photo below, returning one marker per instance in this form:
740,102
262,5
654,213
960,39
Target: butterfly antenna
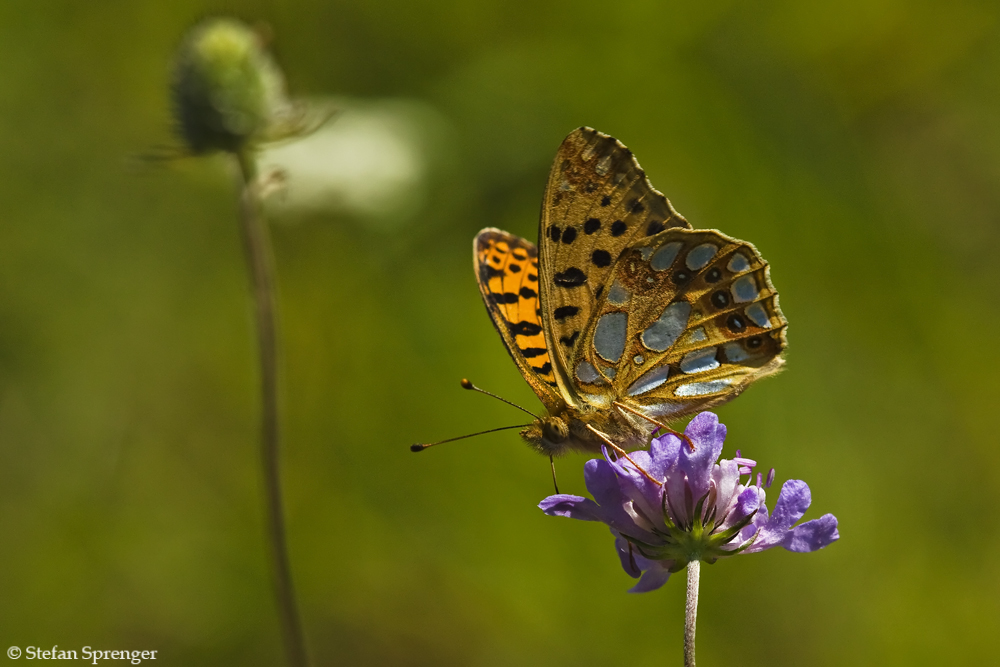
421,446
468,385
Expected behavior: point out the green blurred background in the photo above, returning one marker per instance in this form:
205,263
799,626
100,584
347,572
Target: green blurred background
855,143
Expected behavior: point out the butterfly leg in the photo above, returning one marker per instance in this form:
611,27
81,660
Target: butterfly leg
555,483
623,453
622,406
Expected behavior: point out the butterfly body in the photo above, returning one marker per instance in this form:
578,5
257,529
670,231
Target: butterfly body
623,315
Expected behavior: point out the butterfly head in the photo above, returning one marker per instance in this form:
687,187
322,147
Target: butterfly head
548,435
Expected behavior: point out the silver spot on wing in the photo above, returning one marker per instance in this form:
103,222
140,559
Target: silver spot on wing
744,289
663,333
609,336
735,353
618,295
665,256
759,316
649,381
701,388
738,263
585,372
700,255
700,361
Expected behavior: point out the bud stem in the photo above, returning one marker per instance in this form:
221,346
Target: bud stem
691,610
260,263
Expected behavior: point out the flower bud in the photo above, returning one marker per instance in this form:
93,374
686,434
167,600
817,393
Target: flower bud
226,88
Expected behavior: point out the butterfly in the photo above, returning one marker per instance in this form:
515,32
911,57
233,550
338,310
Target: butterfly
624,317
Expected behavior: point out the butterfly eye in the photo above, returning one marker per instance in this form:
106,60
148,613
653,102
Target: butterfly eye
713,276
737,324
720,299
755,342
555,430
681,277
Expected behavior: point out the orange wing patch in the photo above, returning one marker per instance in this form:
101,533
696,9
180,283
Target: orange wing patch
508,279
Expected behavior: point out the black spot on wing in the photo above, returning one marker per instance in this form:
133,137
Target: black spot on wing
514,268
601,258
606,200
562,312
490,271
529,352
618,228
655,227
527,293
569,340
506,297
569,235
591,226
571,277
545,368
554,232
524,328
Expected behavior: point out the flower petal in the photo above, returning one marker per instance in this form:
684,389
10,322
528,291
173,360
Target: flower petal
748,501
707,434
627,556
653,578
573,507
664,452
602,482
793,501
727,479
612,487
813,535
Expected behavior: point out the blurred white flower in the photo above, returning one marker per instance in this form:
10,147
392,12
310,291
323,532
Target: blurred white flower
372,159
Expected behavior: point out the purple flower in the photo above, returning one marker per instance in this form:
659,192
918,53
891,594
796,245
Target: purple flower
671,505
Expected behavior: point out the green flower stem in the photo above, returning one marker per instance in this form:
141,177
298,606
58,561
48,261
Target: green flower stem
260,262
691,610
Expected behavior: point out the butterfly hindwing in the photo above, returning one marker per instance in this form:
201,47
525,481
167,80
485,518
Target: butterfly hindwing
688,320
507,271
597,203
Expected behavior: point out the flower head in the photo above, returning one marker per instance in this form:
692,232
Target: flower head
672,505
227,91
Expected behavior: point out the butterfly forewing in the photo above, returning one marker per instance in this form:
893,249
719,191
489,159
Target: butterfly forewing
688,320
597,203
507,271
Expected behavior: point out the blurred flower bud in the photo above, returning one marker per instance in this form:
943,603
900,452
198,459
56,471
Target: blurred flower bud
227,90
